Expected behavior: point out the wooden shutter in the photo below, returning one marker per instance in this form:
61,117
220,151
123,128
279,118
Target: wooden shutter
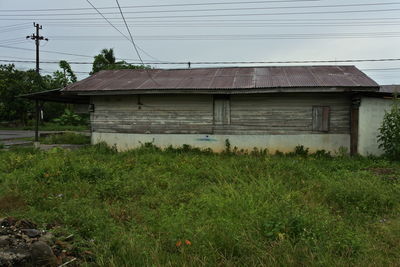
320,119
222,110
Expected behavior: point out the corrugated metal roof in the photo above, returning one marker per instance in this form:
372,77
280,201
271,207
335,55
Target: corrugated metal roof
225,78
395,88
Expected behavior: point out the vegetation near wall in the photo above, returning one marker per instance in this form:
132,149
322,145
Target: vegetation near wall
185,207
389,138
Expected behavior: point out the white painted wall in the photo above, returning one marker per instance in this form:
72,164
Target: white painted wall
284,143
371,115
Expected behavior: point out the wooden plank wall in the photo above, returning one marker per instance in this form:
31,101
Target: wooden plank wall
249,114
153,114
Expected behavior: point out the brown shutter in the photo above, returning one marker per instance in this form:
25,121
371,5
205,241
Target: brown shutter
320,119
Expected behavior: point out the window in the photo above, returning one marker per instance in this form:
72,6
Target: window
320,119
222,110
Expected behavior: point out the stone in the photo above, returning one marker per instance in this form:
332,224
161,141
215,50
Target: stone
47,238
42,255
32,233
4,241
25,224
14,257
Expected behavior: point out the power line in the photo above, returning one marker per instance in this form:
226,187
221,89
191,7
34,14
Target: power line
226,15
129,31
205,37
163,5
255,20
54,52
212,9
133,42
239,25
230,62
109,22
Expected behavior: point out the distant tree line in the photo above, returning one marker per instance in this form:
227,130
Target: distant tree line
14,82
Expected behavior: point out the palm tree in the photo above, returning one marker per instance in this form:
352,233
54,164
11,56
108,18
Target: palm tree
103,60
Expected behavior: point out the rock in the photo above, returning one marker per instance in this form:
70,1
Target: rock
47,238
42,255
7,222
14,257
32,233
24,224
4,241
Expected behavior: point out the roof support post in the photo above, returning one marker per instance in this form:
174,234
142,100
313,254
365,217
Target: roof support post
37,120
355,110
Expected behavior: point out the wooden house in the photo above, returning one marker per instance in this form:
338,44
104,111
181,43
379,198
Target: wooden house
265,107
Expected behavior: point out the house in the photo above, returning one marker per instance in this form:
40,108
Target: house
265,107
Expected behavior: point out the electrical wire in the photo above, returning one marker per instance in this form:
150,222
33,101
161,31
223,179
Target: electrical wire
126,37
223,15
229,62
211,9
163,5
353,35
130,34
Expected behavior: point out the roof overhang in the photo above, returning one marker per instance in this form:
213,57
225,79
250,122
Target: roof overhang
229,91
57,95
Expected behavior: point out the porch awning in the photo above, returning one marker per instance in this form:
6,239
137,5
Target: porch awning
57,95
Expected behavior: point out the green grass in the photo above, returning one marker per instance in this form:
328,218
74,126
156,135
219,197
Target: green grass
50,126
66,138
131,208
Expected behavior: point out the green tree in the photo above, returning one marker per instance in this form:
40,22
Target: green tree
64,77
13,83
106,61
389,138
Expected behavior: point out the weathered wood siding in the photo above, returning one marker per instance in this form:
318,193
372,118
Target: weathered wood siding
153,114
285,114
248,114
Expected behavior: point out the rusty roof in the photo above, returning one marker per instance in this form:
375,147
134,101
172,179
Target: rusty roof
232,78
395,88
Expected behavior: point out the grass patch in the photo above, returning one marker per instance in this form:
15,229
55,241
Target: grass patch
66,138
183,207
10,202
50,126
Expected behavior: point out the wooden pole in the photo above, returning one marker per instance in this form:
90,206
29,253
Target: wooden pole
37,121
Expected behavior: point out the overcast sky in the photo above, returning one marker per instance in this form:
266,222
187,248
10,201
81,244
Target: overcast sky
192,30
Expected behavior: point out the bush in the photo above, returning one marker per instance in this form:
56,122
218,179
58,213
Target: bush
67,138
389,138
70,118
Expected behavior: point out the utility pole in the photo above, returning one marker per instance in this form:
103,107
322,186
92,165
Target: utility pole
37,39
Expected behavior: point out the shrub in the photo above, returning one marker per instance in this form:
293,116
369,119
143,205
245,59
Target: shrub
322,154
299,150
389,137
67,138
69,118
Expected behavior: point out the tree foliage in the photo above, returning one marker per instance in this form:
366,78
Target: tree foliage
14,83
106,60
66,76
389,138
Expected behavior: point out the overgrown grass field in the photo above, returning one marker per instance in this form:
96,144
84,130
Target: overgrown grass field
183,207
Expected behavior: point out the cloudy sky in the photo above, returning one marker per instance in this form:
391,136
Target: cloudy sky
207,31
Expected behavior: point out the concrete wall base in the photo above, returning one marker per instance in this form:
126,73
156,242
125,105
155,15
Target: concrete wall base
372,111
283,143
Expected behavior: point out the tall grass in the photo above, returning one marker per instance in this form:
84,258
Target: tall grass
182,207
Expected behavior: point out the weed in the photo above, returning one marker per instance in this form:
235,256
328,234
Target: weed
11,202
133,208
227,146
67,138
